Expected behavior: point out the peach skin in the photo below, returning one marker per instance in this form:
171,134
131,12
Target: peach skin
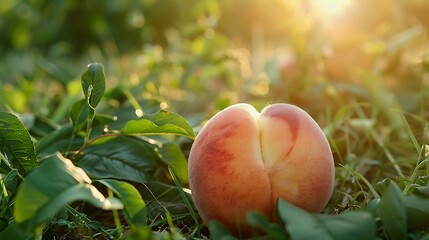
244,160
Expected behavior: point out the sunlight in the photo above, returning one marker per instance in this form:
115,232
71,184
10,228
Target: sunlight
330,7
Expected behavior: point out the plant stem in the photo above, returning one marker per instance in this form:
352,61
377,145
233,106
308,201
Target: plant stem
3,186
420,162
115,215
89,125
92,141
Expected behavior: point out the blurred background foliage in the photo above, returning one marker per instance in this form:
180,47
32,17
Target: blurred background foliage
355,66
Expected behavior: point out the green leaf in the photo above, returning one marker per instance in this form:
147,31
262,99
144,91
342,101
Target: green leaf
161,122
258,220
374,206
301,224
174,157
100,120
349,225
50,187
60,140
15,144
10,181
52,139
41,126
79,114
422,191
135,208
393,211
121,157
94,84
417,210
218,231
12,231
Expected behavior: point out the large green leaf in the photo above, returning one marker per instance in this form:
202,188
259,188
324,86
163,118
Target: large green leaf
94,84
135,208
417,209
393,210
13,231
15,144
161,122
301,224
173,156
50,187
397,208
349,225
121,157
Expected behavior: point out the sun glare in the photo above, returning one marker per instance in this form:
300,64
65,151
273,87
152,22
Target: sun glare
330,7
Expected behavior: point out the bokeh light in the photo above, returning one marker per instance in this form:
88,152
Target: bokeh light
330,7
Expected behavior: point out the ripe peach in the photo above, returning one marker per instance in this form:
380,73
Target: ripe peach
244,160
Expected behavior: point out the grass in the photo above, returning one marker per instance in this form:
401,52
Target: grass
364,82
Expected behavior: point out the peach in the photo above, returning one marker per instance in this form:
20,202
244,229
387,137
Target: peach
244,160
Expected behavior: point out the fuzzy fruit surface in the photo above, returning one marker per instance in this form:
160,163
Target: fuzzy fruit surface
244,160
